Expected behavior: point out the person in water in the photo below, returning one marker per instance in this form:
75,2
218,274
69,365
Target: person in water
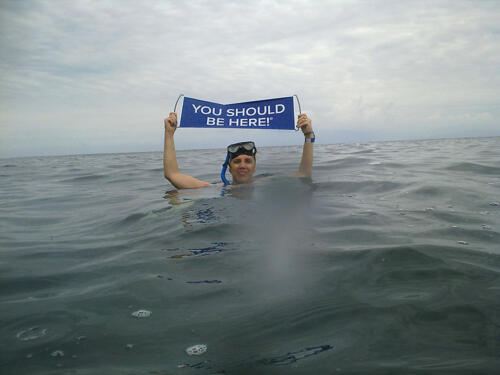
240,157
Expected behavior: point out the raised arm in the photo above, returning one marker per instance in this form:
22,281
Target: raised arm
305,167
170,167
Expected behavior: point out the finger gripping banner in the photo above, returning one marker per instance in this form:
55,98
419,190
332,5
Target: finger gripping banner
262,114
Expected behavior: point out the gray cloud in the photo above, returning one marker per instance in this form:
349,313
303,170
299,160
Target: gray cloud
89,76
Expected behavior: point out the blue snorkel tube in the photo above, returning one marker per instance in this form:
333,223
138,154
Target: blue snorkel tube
223,172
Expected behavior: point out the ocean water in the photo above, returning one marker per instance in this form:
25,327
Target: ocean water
387,262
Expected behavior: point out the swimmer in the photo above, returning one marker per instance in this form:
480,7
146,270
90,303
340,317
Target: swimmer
240,157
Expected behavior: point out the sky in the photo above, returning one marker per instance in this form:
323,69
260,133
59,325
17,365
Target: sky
82,77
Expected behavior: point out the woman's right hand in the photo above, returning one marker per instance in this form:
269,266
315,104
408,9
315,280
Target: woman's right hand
171,123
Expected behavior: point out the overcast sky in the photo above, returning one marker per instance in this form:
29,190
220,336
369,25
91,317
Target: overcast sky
100,76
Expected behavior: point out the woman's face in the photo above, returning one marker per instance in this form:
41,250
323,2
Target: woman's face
242,168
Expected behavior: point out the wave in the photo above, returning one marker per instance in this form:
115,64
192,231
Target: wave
92,177
474,168
367,186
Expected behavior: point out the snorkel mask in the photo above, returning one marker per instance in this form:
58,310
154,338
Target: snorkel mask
234,150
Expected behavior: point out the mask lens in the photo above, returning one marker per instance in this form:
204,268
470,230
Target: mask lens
246,145
249,146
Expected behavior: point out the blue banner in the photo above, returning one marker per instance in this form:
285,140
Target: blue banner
261,114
